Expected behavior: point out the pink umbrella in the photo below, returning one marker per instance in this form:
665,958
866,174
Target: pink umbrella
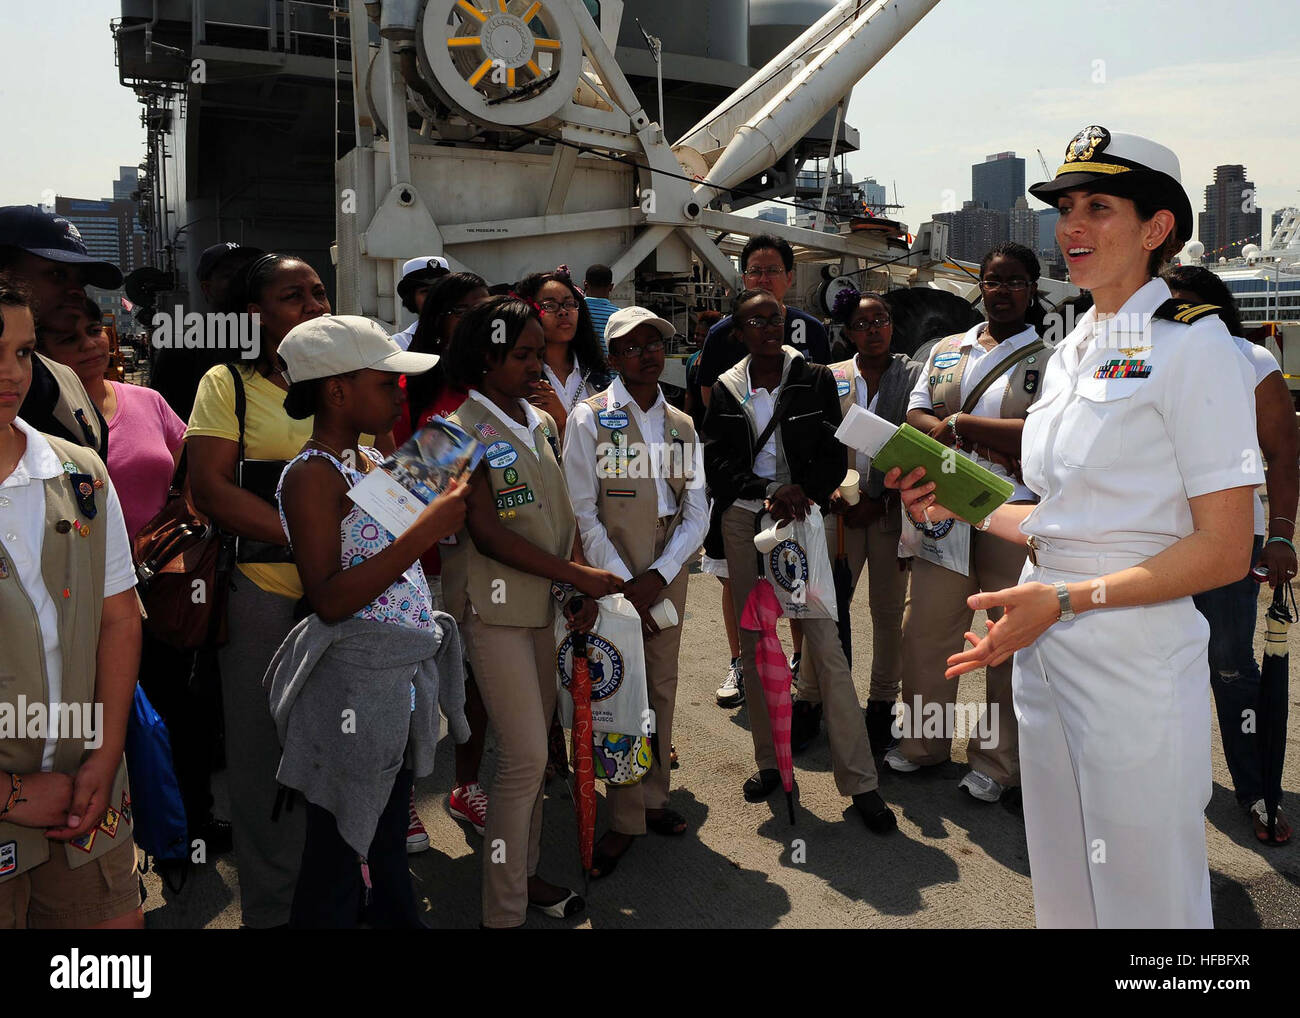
762,609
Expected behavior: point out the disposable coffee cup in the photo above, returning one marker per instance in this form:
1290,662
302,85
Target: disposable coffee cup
849,490
664,614
766,540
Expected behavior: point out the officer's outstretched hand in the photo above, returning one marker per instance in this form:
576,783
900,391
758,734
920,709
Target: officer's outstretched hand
1028,610
918,499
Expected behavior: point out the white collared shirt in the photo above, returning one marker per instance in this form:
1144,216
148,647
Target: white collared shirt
403,338
22,525
862,462
580,469
1263,364
572,388
523,432
1116,459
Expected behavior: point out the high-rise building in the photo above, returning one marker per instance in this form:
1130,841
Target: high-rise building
1231,219
1275,222
973,230
1023,224
875,196
775,214
110,230
997,182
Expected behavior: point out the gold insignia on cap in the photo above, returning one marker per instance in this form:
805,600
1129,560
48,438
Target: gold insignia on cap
1087,143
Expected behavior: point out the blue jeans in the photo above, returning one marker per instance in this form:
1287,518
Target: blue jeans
1231,611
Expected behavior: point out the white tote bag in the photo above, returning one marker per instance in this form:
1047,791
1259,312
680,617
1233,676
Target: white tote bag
800,570
620,699
945,544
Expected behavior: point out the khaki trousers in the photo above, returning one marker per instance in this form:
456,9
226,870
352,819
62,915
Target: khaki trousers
934,624
628,803
851,761
515,672
876,547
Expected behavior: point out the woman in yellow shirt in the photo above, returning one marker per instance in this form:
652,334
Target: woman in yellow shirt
283,291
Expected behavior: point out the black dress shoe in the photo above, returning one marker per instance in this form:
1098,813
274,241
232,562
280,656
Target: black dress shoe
761,785
217,836
805,723
871,807
880,721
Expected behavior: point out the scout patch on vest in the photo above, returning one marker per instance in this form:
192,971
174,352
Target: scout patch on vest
8,858
1125,368
947,360
86,841
613,419
1174,310
940,379
109,824
486,430
1031,381
620,493
842,383
501,454
4,568
511,475
604,665
126,807
85,492
520,494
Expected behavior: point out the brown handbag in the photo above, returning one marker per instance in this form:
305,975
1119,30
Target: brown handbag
183,566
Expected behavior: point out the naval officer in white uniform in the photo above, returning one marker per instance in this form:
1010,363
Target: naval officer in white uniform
1142,451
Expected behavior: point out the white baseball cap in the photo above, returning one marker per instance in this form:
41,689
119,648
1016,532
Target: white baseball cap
624,320
336,344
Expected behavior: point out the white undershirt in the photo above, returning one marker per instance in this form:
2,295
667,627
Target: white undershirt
570,390
764,402
22,525
1264,364
862,462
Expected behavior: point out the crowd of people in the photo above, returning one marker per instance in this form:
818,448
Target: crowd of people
1123,449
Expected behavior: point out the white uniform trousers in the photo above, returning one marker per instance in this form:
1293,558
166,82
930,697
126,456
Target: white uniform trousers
1114,716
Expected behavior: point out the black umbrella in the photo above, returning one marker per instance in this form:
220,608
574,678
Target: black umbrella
1271,713
843,577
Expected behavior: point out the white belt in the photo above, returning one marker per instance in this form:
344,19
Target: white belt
1044,556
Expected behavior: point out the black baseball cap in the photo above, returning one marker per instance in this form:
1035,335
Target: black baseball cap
212,256
46,235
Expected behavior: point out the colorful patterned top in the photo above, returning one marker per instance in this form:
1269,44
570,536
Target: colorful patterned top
407,601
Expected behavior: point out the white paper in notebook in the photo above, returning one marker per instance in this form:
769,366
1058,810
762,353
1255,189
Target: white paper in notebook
864,431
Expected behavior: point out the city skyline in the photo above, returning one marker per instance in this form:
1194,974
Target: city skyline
919,133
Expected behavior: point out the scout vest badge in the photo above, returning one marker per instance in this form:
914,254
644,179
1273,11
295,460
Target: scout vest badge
83,486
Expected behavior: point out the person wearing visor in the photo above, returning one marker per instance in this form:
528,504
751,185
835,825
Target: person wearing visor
45,253
1142,451
418,274
644,526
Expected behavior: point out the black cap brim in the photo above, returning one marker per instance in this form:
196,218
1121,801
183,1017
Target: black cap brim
1157,187
102,274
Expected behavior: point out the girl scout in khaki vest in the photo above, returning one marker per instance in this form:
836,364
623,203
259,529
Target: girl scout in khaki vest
937,614
519,543
70,629
636,475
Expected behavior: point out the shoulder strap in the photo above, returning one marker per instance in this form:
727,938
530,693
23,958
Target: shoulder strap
1175,310
241,403
997,371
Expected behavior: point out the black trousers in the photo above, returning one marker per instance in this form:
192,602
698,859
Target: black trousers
330,893
185,691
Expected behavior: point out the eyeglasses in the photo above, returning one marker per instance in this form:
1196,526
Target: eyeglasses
554,307
757,322
863,324
763,273
654,346
1014,285
460,310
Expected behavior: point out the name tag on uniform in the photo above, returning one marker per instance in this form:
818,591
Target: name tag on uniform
1124,368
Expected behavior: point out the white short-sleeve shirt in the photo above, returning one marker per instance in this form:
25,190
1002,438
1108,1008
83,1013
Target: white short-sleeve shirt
1138,415
22,524
1264,364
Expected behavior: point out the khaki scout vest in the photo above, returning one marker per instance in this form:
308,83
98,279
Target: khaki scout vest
945,382
74,564
626,500
845,375
533,501
73,408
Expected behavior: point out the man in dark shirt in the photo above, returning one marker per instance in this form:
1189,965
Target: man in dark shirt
766,263
45,253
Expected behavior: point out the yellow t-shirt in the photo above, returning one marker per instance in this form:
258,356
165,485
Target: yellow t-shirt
269,434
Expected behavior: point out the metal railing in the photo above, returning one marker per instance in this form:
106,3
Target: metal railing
284,25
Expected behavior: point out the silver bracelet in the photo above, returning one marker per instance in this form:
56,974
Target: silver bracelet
987,522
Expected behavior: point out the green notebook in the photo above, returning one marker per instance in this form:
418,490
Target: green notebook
962,485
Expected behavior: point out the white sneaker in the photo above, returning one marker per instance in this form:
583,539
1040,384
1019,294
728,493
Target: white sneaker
732,691
897,762
981,787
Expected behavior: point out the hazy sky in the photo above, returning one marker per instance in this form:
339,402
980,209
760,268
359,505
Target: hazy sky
1219,82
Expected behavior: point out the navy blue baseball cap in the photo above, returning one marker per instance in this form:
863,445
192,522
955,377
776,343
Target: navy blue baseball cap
52,237
213,255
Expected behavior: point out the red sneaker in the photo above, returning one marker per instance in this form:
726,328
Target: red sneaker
469,803
417,838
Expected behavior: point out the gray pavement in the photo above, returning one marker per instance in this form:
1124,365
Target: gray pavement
953,862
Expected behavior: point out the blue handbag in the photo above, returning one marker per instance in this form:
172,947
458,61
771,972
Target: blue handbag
160,826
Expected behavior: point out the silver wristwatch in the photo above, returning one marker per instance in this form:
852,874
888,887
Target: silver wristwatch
1063,596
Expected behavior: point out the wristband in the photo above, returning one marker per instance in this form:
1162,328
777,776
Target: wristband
952,425
1284,540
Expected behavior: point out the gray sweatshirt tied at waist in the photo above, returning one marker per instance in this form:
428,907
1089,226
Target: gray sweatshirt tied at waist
341,700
